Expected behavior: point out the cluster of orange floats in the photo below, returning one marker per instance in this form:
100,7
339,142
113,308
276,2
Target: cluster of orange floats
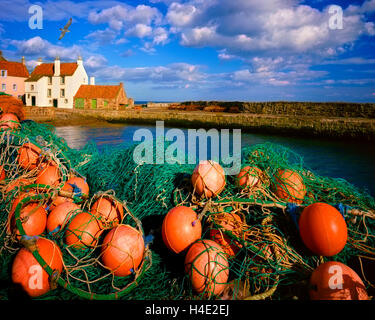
121,245
322,229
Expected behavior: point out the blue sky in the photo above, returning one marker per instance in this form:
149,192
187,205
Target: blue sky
165,50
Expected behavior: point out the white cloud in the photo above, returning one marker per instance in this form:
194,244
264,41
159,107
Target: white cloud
176,73
102,36
95,62
244,28
121,16
139,30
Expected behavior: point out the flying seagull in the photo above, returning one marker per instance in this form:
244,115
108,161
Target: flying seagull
65,30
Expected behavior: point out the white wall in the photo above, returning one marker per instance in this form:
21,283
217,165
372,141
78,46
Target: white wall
71,86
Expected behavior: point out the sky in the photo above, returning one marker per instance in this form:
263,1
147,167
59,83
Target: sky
227,50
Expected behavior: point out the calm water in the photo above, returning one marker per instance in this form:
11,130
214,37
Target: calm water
353,161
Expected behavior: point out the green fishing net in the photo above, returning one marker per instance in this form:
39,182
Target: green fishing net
268,260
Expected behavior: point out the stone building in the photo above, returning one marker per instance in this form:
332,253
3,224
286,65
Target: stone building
111,97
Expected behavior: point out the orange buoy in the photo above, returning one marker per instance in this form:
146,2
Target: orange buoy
227,222
181,227
2,173
60,215
16,184
208,179
28,156
248,177
323,229
33,219
78,185
207,267
334,280
74,185
49,175
122,250
109,211
27,271
288,185
22,196
83,231
9,121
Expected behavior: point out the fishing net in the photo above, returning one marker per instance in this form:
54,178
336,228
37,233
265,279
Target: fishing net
255,223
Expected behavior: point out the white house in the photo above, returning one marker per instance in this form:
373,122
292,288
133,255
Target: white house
55,84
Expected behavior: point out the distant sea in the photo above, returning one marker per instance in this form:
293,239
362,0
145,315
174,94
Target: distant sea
145,101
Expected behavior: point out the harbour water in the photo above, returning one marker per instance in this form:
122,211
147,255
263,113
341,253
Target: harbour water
349,160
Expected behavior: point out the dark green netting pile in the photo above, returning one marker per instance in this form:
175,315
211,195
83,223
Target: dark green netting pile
270,260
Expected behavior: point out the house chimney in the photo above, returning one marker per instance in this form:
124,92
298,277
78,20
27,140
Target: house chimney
57,66
39,62
92,81
23,60
79,60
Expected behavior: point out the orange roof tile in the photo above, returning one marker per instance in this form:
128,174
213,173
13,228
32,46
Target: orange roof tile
14,69
98,91
48,69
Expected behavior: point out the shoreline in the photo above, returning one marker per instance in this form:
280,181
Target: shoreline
296,125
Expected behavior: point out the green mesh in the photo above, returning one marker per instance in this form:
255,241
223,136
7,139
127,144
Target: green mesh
270,260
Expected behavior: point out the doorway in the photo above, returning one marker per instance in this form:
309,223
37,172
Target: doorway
55,103
33,101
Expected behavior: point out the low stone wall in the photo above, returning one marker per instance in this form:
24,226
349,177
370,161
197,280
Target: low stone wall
330,127
40,114
356,128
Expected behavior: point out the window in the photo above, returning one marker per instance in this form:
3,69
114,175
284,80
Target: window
49,93
28,96
32,87
3,87
62,93
49,80
62,79
66,101
3,73
14,87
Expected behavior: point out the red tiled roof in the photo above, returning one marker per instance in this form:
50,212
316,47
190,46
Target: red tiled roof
14,69
48,69
98,91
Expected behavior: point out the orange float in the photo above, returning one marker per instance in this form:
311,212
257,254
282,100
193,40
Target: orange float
109,211
248,177
207,267
2,173
181,227
17,183
28,156
208,179
122,250
60,215
33,218
78,185
74,185
27,271
49,175
22,196
9,121
83,231
289,186
323,229
224,222
334,280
